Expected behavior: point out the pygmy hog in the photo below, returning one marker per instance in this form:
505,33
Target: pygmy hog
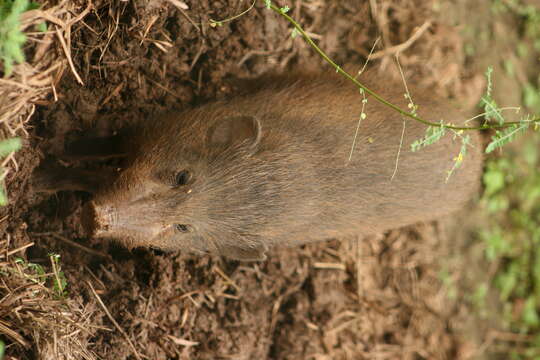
272,166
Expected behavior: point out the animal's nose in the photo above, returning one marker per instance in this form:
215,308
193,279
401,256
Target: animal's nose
96,219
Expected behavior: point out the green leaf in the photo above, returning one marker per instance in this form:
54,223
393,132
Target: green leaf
433,134
42,27
536,275
530,153
33,6
506,282
509,67
3,197
37,268
479,295
8,146
496,245
497,204
494,181
503,137
531,97
458,160
489,87
530,312
12,38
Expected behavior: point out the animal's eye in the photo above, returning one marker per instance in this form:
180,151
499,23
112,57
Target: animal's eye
182,228
182,178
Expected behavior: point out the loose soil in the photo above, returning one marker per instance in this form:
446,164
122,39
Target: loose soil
372,298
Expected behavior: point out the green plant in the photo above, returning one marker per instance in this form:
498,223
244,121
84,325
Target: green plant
512,240
36,273
59,280
512,200
12,38
506,130
7,146
529,13
531,96
449,283
528,16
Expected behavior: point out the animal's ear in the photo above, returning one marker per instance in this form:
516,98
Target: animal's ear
235,130
248,253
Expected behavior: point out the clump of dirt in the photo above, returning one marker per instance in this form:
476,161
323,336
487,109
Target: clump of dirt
375,298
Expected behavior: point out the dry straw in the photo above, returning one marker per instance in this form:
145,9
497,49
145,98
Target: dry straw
33,82
34,318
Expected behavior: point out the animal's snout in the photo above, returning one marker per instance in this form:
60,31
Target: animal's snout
97,220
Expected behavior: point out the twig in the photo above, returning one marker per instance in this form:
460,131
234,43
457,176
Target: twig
56,273
21,248
182,342
362,115
509,336
202,48
162,87
214,23
4,329
182,7
369,57
68,56
109,37
403,46
331,266
348,76
73,243
251,53
399,150
409,97
227,279
359,270
113,93
148,27
135,352
186,295
79,17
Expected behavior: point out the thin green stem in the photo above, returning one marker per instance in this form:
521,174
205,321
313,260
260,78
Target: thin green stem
220,22
308,39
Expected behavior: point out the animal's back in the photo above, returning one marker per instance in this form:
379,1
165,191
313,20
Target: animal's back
382,184
274,166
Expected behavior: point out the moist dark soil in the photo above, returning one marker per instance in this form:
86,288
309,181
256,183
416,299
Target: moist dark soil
373,298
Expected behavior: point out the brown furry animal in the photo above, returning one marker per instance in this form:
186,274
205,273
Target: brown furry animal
271,167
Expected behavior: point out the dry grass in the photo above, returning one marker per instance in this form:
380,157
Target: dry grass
34,320
32,82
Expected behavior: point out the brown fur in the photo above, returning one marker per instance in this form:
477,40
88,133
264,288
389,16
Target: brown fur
277,170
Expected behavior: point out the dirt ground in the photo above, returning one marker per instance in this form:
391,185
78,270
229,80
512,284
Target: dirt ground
378,298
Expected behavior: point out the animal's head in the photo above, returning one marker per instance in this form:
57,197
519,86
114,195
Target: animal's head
198,187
